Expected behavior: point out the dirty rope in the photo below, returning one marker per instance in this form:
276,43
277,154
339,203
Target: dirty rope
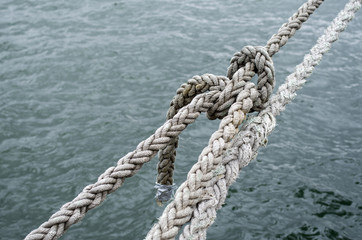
254,133
200,84
237,97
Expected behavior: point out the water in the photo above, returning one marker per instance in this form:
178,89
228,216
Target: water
82,83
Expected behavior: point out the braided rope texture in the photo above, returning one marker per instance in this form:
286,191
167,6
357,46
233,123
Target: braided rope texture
195,86
209,168
93,195
246,96
254,133
201,84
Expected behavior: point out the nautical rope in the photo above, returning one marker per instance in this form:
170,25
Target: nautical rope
200,84
113,177
254,133
94,194
209,166
195,86
246,96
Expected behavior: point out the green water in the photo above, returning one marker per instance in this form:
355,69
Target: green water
82,83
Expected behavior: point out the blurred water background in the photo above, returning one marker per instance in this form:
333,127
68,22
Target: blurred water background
83,82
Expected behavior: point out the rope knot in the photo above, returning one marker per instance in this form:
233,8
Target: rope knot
243,66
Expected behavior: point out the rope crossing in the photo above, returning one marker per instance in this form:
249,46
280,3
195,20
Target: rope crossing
201,84
254,133
228,98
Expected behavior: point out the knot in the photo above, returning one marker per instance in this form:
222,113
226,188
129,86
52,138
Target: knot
195,86
243,66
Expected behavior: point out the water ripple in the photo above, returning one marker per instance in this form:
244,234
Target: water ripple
82,83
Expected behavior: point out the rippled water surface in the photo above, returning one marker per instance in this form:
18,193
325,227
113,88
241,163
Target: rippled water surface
83,82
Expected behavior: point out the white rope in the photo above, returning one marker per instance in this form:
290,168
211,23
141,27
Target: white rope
239,93
236,99
208,82
255,132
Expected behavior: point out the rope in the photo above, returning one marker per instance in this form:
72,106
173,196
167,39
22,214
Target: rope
209,167
201,84
255,132
93,195
247,97
195,86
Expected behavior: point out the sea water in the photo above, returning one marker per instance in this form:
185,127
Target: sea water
83,82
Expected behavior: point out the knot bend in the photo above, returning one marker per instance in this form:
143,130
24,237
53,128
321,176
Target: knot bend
243,66
259,56
238,91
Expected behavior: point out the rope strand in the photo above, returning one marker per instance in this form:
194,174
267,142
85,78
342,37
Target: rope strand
237,96
254,133
201,84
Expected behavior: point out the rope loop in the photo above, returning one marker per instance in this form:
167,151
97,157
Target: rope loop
229,98
239,92
243,66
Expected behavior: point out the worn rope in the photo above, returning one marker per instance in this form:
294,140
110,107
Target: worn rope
205,172
246,96
167,156
195,86
113,177
93,195
201,84
254,133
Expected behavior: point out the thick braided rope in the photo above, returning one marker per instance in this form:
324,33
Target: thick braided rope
94,194
113,178
194,86
285,32
200,84
178,212
167,156
258,58
254,133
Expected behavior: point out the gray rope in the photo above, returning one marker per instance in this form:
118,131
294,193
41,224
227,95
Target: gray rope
94,194
201,84
254,133
245,95
194,86
193,190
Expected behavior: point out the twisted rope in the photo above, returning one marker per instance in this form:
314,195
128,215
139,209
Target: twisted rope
194,86
202,174
254,133
113,177
201,84
192,191
167,156
93,195
246,95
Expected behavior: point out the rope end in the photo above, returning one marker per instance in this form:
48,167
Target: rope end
164,193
